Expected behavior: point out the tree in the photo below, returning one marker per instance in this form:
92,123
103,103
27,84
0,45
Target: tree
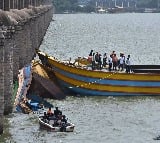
147,3
65,5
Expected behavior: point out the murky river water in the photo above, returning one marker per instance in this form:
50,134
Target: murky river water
99,119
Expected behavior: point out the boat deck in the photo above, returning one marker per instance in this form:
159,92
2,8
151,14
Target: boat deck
134,68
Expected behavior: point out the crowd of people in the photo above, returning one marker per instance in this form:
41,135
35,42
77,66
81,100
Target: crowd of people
112,61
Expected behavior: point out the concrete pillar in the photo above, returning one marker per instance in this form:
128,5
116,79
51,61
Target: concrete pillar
1,4
6,5
15,4
21,4
11,4
26,3
38,2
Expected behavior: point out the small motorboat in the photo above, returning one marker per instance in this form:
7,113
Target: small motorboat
54,125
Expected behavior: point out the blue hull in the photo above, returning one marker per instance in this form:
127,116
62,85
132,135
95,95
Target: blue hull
87,92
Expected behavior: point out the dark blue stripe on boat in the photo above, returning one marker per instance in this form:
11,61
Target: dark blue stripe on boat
87,92
109,81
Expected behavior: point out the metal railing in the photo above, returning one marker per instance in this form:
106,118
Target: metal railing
6,5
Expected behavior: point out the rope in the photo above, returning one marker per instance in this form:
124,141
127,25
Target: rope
97,80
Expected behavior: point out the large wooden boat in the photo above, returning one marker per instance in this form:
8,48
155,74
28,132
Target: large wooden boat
83,81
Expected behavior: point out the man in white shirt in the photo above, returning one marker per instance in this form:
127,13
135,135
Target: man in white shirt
128,64
110,63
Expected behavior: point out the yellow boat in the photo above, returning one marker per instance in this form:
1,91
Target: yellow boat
85,81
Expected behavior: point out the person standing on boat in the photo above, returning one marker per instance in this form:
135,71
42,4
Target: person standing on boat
90,56
115,61
110,63
96,56
93,61
99,62
96,59
104,59
121,62
128,64
113,52
91,53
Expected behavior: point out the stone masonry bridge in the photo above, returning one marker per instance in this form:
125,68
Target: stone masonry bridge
23,24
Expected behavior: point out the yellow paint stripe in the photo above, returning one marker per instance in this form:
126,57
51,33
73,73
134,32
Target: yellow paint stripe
40,70
101,74
110,88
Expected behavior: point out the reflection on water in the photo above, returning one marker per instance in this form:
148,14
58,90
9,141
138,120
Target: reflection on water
99,119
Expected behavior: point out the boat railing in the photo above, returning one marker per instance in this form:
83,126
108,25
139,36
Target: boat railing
146,68
84,63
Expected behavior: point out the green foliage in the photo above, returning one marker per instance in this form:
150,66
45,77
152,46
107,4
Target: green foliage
65,5
71,6
147,3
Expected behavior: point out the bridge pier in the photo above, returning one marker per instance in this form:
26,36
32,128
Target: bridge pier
17,49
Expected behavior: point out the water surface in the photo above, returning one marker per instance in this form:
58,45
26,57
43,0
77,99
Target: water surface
99,119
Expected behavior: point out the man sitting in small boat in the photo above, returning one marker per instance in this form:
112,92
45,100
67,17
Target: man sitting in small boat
57,112
45,118
49,112
64,120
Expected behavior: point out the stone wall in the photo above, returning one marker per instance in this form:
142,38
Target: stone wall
8,76
1,88
18,51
